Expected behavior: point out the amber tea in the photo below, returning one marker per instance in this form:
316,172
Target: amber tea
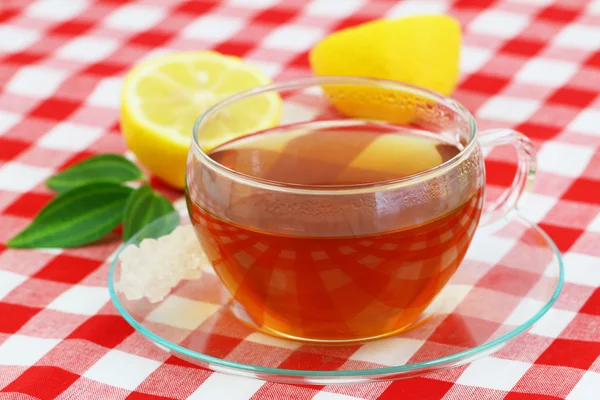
336,267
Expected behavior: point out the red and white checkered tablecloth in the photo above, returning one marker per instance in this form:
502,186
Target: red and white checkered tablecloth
529,64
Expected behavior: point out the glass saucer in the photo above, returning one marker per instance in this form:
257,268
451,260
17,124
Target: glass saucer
509,279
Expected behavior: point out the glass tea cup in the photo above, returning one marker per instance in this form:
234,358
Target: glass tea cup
342,262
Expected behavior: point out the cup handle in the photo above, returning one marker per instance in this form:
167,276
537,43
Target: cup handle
517,193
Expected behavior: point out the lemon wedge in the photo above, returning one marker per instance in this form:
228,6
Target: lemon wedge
163,97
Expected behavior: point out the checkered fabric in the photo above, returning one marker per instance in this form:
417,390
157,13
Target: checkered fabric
529,64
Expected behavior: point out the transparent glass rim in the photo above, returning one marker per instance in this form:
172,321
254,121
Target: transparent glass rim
339,189
466,354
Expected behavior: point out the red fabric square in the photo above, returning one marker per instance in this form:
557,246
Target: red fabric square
10,148
195,7
71,28
351,21
558,14
538,131
104,68
151,38
509,280
416,388
592,305
474,3
29,205
14,316
523,47
463,331
24,58
582,189
499,173
5,15
594,60
573,97
55,109
484,83
300,61
563,237
570,353
235,48
42,382
105,330
275,16
68,269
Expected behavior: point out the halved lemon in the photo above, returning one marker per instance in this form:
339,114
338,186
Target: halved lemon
164,96
422,50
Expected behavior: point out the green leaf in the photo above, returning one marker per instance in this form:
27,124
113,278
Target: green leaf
76,217
143,207
100,168
160,227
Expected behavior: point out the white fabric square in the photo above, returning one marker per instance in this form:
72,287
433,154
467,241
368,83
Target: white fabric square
593,8
7,121
269,68
587,122
329,8
578,36
526,309
582,269
107,93
88,49
498,23
213,28
84,300
134,17
473,58
19,177
69,136
121,369
24,350
537,206
508,109
594,226
292,38
272,341
391,351
563,158
587,388
553,323
220,386
56,10
13,39
182,313
9,281
543,71
418,7
295,112
492,252
38,82
449,298
493,373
